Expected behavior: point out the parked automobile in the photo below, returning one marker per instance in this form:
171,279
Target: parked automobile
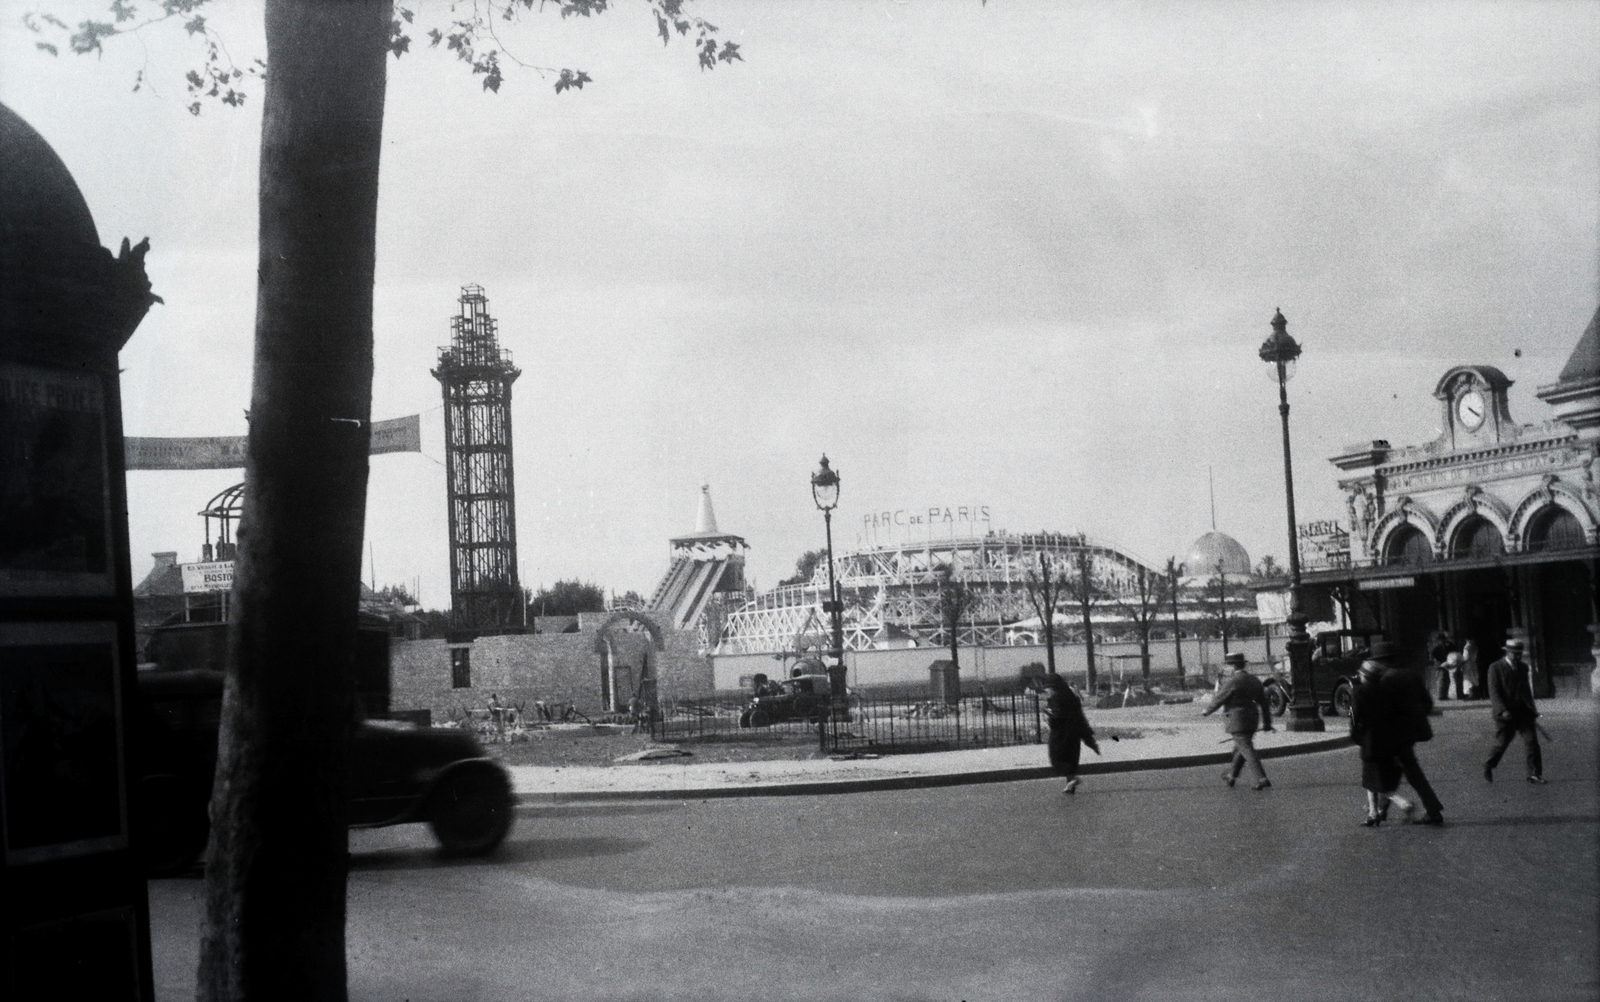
1336,657
397,772
801,697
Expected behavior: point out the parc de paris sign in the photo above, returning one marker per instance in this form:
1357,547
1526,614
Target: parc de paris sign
907,523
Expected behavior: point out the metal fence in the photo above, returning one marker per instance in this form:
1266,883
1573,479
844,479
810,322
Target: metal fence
867,725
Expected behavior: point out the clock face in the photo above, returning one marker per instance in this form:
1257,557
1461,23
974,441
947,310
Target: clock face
1471,410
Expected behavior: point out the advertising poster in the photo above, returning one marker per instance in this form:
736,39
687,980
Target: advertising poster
61,767
55,502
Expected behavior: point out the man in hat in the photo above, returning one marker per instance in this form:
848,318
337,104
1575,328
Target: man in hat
1511,697
1407,704
1245,699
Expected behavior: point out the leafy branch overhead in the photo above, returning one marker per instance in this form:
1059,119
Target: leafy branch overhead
471,33
217,77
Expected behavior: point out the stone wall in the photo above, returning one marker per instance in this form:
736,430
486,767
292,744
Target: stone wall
553,667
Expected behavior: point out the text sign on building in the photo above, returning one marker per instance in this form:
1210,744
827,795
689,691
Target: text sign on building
1323,544
905,524
1385,584
214,576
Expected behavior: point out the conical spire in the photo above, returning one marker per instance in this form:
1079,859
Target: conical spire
1585,360
705,521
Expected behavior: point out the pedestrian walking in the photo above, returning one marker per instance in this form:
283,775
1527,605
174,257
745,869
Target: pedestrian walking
1511,699
1471,669
1407,705
1453,676
1245,699
1440,647
1069,728
1372,727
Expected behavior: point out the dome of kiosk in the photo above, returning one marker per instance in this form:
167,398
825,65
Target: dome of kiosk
63,297
1214,548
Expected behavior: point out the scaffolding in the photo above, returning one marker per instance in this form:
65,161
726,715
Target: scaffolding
476,377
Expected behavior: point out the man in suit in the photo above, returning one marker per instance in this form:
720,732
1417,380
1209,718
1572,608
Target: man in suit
1245,699
1407,704
1511,698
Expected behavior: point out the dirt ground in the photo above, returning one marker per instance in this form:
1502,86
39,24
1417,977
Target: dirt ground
568,747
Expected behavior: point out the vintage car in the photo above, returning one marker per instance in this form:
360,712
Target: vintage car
397,772
801,697
1336,657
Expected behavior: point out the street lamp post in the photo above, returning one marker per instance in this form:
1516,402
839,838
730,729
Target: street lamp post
825,492
1281,350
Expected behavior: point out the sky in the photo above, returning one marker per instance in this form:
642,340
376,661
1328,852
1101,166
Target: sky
1016,256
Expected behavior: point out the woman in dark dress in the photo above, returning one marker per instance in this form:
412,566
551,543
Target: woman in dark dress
1069,729
1372,727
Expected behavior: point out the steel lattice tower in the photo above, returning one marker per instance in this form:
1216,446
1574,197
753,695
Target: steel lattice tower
476,376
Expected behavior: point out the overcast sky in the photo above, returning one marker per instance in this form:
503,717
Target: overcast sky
1014,255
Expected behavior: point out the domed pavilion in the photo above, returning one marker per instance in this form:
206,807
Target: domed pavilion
1217,552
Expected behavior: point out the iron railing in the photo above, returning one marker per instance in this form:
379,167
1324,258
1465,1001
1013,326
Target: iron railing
868,725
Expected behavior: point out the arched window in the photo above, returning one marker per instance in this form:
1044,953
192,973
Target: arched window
1555,529
1477,537
1408,546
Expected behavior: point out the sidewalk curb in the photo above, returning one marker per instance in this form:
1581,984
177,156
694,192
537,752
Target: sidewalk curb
928,780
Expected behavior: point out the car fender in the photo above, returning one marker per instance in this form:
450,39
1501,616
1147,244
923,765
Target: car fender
434,780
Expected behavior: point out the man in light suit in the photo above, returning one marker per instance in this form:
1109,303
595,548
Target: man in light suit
1511,697
1245,699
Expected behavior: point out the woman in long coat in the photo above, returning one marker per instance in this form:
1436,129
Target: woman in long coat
1069,729
1372,726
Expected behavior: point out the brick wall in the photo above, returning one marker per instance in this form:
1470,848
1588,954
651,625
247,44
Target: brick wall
554,667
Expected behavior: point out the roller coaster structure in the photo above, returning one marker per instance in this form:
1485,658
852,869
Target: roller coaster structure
891,594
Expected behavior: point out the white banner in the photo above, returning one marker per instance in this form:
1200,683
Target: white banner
227,452
214,576
1272,607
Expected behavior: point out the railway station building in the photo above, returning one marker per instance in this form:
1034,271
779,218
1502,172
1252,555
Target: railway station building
1487,532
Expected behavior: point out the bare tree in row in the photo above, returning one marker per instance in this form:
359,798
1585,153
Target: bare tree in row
1043,587
1141,603
955,598
1085,589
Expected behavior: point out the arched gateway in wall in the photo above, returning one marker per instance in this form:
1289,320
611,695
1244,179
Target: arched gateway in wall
624,643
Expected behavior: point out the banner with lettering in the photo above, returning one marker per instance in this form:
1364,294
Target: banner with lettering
227,452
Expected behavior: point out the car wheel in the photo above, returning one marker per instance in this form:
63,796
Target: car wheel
1277,700
1341,700
760,718
744,719
173,826
471,811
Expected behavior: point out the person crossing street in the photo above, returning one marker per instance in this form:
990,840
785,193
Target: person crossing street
1511,698
1245,699
1407,704
1069,728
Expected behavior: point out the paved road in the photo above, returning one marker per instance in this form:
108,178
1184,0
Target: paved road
1160,885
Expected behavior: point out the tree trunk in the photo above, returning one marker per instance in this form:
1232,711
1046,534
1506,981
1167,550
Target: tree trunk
1177,627
1144,654
1088,648
1050,642
275,869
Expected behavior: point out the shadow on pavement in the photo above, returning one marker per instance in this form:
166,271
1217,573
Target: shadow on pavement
1518,822
511,853
598,809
